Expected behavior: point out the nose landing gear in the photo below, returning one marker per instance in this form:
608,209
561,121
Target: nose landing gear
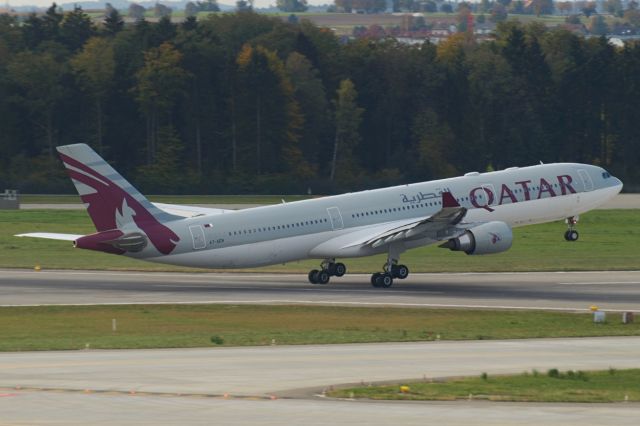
571,234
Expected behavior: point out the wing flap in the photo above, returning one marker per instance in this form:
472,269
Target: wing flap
450,215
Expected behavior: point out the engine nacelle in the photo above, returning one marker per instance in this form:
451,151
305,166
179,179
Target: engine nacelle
488,238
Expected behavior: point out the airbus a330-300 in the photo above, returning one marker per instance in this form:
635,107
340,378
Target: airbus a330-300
474,214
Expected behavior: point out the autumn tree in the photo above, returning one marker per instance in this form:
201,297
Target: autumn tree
76,28
113,22
136,11
348,117
266,112
160,83
543,7
38,78
292,5
309,92
435,140
94,68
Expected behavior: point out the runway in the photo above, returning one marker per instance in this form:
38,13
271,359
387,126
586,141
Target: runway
262,385
614,291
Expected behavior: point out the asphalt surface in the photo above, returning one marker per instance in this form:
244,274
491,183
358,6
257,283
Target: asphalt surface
262,385
615,291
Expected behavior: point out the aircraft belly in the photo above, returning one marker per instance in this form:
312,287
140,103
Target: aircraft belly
593,199
248,255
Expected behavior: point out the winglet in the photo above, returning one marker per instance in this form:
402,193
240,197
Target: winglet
449,200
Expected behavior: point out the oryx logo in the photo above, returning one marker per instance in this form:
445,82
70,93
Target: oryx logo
111,207
495,238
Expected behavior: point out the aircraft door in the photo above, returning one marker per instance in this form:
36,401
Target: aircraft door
586,180
197,234
335,217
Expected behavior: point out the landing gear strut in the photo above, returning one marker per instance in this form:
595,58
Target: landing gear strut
391,270
571,234
329,268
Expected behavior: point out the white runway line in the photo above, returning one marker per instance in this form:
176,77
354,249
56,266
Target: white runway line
602,283
329,303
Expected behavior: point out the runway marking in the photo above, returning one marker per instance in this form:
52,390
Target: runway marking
331,302
325,290
601,283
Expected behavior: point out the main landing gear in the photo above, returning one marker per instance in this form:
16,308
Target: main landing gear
571,234
329,269
391,270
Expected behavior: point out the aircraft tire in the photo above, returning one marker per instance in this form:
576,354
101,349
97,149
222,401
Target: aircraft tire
323,277
313,276
401,272
374,279
573,235
385,280
339,269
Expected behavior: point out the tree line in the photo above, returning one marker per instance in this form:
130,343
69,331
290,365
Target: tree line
246,103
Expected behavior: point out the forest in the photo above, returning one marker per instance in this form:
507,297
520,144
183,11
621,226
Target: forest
247,103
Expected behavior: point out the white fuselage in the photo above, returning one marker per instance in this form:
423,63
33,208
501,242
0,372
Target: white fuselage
334,227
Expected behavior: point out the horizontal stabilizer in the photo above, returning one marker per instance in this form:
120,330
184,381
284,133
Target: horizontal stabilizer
51,236
189,211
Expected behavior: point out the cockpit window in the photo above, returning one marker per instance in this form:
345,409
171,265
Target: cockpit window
606,175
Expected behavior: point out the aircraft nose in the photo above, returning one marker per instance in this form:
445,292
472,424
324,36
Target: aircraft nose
619,184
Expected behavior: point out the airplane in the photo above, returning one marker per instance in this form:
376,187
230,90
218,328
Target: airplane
474,214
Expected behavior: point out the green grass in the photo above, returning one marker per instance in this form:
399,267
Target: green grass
570,386
608,241
179,326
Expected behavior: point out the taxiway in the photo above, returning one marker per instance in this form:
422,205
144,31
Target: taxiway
262,385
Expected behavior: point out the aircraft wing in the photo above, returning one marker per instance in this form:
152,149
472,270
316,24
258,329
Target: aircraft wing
450,215
51,236
189,211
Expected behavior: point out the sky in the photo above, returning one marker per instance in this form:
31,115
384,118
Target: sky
46,3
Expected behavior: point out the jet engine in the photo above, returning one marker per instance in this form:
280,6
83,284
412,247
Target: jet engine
488,238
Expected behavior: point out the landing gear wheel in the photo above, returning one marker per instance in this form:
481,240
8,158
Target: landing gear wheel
313,276
400,271
571,235
384,280
374,279
339,269
323,277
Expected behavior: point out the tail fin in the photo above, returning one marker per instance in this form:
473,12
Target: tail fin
111,201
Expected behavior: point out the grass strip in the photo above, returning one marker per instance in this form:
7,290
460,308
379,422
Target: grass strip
608,241
181,326
554,386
